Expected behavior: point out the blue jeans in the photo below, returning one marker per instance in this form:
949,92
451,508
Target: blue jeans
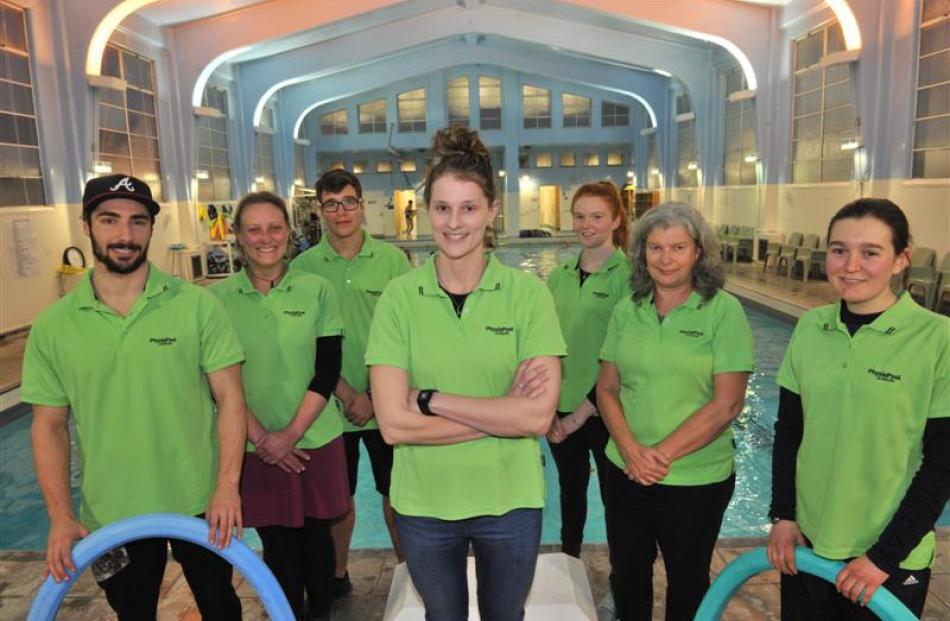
506,551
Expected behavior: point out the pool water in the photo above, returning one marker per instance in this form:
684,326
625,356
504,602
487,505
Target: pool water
23,522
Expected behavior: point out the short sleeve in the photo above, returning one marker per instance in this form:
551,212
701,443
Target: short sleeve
733,347
220,344
41,383
329,319
940,397
608,350
388,341
787,376
541,335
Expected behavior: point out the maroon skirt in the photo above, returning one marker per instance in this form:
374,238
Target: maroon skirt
272,497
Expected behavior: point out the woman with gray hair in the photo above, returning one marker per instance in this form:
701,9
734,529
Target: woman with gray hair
674,368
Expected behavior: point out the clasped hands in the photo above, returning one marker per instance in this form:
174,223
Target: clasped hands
647,465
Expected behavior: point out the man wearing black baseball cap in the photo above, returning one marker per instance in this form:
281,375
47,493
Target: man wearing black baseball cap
150,369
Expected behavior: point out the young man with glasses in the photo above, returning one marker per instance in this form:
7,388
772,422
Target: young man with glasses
359,267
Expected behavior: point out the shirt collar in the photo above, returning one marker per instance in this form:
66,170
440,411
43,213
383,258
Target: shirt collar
157,283
329,253
616,258
244,284
898,316
490,281
694,301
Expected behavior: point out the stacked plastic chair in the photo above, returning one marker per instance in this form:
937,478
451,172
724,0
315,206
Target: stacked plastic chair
922,276
942,298
788,251
805,255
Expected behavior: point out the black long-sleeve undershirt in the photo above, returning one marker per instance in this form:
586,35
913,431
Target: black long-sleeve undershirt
327,365
923,502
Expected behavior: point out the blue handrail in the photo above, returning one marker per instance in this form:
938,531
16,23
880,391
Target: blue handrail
170,525
883,603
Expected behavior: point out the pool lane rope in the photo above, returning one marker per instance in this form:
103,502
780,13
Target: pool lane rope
167,525
883,603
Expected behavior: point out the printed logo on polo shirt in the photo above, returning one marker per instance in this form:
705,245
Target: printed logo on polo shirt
295,313
603,295
692,333
163,341
884,376
499,330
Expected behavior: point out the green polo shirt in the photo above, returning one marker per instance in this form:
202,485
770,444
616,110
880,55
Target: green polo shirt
583,311
279,332
359,282
144,417
866,401
666,374
509,317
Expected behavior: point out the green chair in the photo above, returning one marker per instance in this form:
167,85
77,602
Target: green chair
809,257
923,257
942,303
922,284
787,253
772,250
740,241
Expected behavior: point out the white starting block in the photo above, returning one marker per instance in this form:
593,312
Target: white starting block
560,592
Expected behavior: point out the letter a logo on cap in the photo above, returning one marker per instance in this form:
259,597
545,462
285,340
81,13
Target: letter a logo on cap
125,183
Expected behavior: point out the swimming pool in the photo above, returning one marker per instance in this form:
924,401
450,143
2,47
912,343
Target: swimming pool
23,522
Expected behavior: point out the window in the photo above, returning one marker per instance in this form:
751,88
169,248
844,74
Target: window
360,167
522,159
300,170
213,149
373,117
128,129
536,105
932,117
21,176
543,160
739,140
576,110
264,162
823,111
407,165
687,166
384,166
411,107
591,159
567,160
335,123
336,165
615,158
457,98
489,102
614,114
653,162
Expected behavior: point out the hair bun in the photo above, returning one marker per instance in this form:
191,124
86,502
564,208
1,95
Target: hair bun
457,142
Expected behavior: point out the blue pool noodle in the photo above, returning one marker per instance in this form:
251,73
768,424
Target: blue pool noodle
883,603
172,526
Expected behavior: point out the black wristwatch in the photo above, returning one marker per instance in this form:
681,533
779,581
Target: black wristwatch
425,396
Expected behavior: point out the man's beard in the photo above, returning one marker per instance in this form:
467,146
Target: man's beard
119,268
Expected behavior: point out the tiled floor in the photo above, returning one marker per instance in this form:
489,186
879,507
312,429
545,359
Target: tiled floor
371,572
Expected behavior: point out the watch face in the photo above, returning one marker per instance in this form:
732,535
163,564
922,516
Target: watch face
73,256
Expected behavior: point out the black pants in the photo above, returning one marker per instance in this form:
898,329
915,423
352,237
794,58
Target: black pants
303,561
572,457
807,598
133,592
683,521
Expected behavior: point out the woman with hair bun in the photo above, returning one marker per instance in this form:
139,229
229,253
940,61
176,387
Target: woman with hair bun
463,355
675,364
586,288
861,462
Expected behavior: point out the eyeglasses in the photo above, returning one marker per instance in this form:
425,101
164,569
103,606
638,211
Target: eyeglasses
349,203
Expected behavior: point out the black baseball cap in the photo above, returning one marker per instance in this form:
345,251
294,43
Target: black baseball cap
117,186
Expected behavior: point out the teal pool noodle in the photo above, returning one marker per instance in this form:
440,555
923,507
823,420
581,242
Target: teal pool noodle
883,604
172,526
